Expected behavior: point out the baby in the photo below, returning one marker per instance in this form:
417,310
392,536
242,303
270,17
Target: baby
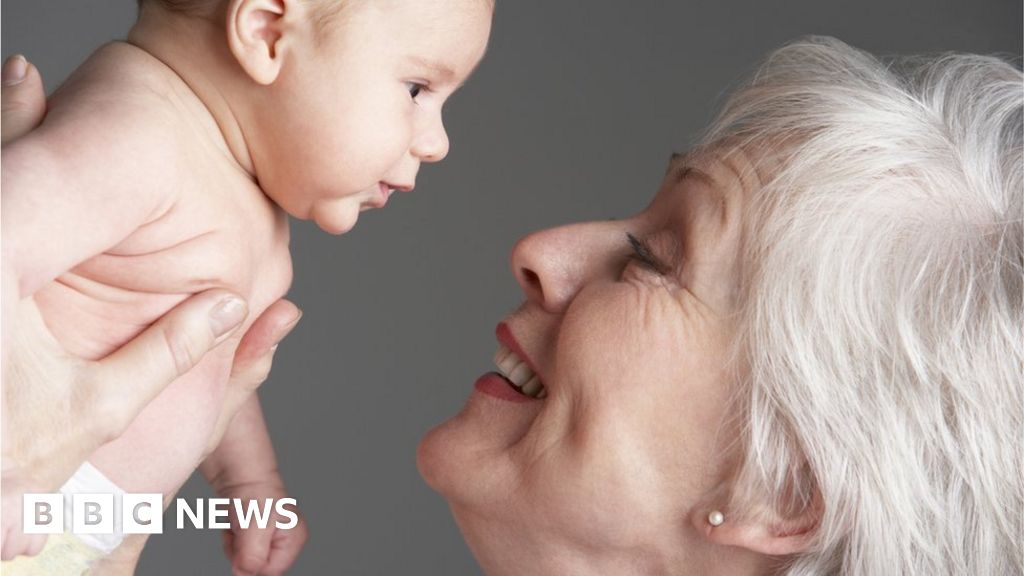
166,166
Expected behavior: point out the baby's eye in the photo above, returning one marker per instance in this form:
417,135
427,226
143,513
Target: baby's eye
643,255
415,89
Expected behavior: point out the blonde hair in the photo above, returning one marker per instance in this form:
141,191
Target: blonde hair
882,328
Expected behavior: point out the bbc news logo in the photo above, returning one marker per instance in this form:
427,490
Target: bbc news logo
143,513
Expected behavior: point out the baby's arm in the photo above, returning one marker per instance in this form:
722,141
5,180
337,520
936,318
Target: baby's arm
98,168
244,466
245,453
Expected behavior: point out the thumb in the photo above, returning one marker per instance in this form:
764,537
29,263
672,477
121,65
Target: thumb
142,368
23,100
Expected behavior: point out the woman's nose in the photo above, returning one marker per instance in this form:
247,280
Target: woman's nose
554,264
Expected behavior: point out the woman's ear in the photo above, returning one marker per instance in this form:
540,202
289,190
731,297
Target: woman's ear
259,34
764,533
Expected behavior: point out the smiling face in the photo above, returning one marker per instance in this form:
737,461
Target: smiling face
631,339
357,107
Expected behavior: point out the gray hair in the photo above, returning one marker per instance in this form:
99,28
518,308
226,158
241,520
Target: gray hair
881,328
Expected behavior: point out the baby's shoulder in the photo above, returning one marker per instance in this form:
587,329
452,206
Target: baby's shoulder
121,87
116,72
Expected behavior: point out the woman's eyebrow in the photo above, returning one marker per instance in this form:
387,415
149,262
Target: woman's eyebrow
680,167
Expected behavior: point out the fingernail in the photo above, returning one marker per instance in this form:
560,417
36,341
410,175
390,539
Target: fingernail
295,321
288,329
14,70
227,314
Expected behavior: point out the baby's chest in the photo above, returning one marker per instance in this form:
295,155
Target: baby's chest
240,244
200,243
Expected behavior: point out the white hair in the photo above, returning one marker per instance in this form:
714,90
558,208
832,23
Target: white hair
882,331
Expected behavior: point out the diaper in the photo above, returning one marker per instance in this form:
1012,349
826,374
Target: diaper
67,553
64,555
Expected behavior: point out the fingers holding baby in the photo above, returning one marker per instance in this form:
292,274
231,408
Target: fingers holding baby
23,102
57,408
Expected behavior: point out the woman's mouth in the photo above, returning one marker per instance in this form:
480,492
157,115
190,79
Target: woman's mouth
514,381
518,373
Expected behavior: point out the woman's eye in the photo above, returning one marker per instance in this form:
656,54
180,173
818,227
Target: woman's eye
642,254
415,89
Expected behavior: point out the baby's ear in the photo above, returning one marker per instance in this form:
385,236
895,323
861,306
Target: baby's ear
259,33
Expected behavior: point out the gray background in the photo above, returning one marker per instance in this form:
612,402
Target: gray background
572,116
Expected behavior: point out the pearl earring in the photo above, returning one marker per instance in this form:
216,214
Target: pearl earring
715,518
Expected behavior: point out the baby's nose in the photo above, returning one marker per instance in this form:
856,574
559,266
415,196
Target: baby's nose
432,145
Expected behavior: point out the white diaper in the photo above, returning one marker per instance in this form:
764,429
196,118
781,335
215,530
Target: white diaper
89,480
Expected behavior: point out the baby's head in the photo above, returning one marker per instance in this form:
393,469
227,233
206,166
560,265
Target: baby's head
342,99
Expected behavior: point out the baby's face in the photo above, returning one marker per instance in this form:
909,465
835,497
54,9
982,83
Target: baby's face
357,109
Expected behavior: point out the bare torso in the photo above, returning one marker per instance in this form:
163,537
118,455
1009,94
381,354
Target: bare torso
219,231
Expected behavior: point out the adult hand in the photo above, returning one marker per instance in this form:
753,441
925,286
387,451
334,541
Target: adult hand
24,103
57,409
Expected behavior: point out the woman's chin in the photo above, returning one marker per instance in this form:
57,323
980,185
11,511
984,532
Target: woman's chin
433,459
469,457
462,474
437,466
450,460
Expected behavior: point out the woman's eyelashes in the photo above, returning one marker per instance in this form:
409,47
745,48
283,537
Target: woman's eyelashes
642,255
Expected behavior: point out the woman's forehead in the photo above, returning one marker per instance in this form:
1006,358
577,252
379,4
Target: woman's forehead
730,170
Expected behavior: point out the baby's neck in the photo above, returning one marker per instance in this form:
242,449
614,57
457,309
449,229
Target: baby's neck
195,50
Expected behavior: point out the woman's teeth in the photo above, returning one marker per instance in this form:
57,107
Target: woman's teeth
519,374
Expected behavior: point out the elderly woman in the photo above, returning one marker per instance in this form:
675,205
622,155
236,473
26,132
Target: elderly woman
803,357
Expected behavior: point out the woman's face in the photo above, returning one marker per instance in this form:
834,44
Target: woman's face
612,465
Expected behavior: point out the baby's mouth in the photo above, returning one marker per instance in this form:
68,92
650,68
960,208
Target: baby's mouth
380,197
518,373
